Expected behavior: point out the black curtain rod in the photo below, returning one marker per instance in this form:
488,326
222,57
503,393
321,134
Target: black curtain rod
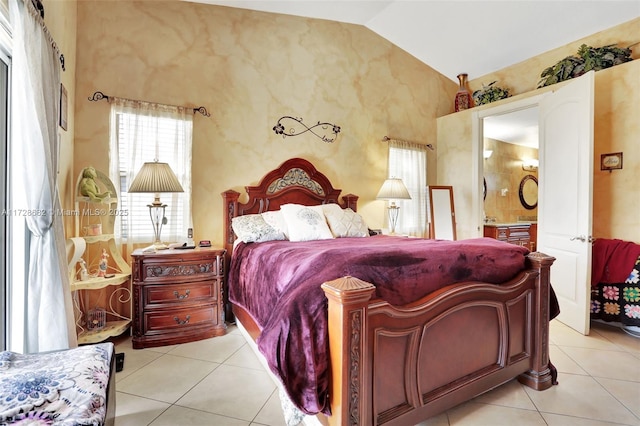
98,96
388,139
37,11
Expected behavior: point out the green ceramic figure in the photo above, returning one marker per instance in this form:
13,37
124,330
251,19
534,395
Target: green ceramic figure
89,187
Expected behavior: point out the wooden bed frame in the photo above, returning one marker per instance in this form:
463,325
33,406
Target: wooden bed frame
401,365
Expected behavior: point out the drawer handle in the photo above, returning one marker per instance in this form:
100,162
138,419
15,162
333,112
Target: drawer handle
186,320
181,296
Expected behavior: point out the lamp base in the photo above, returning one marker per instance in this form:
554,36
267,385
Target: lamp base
393,217
158,218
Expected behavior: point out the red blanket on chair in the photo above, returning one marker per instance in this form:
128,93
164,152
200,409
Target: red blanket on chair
612,260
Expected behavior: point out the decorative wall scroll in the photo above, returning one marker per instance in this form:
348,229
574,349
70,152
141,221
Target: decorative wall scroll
294,127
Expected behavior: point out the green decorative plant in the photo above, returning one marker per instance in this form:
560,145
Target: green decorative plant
588,58
489,93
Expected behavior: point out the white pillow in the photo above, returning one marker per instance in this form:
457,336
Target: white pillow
252,228
344,223
276,220
331,208
305,223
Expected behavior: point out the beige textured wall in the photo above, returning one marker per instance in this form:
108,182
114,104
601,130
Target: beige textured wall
60,18
616,194
455,166
249,69
616,129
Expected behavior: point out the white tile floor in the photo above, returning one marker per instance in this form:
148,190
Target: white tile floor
220,381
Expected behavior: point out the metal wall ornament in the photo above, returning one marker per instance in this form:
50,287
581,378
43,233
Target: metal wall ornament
291,126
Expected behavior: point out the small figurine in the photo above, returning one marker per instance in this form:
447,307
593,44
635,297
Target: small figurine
84,274
102,271
89,187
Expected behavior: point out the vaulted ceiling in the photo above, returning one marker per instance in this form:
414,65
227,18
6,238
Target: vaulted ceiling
477,37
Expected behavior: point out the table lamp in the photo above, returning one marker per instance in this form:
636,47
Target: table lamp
393,189
156,177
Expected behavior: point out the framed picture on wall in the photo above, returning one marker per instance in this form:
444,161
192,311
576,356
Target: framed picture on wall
63,107
611,161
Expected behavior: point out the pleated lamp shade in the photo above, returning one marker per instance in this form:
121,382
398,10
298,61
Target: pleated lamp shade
155,177
393,189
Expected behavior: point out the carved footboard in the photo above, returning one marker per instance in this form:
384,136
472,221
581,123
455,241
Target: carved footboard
402,365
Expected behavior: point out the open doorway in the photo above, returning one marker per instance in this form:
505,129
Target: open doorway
515,126
510,175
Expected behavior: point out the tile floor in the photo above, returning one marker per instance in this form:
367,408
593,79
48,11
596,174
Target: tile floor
220,381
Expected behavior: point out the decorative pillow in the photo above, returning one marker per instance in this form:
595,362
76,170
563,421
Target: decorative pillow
305,223
252,228
344,223
276,220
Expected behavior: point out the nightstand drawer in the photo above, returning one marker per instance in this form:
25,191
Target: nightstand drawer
180,318
172,271
179,293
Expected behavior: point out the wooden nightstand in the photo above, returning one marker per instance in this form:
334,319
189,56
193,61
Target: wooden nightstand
177,296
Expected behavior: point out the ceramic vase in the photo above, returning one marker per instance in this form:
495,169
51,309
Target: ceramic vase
463,96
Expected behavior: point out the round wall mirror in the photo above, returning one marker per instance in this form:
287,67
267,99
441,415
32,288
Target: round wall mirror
484,188
529,192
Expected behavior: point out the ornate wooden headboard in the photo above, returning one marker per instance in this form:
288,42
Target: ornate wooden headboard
294,181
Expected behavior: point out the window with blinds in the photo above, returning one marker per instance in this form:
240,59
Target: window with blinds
142,138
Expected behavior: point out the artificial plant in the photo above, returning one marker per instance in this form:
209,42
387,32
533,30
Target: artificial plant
588,58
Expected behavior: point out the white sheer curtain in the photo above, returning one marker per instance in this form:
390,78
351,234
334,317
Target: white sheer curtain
408,161
49,321
143,132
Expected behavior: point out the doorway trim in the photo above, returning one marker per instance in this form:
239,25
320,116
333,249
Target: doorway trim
477,135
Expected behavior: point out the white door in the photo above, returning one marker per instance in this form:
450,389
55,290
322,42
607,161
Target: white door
565,195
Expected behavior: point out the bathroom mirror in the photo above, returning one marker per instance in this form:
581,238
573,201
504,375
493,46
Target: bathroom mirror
484,188
529,192
442,217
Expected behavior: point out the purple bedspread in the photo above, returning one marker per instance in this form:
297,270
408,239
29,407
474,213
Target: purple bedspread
278,283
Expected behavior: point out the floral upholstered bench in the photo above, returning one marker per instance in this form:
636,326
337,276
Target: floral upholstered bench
70,387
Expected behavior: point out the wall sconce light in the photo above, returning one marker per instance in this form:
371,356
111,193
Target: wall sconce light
530,164
487,153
